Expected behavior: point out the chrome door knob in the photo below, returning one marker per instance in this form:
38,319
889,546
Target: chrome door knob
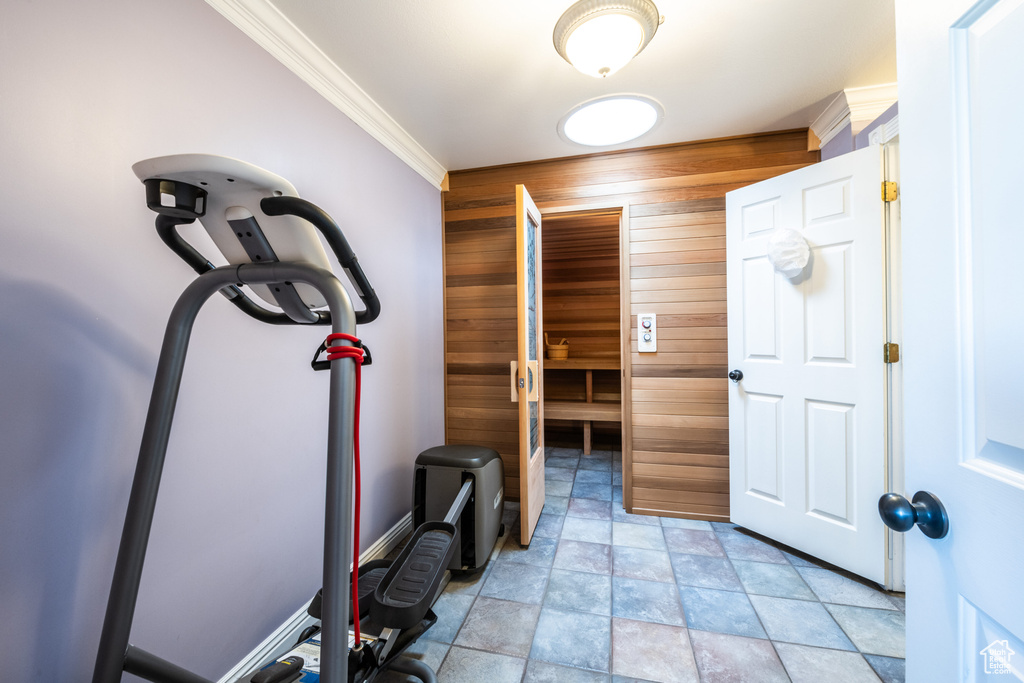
736,375
926,511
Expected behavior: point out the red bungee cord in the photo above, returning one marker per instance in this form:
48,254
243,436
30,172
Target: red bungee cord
356,353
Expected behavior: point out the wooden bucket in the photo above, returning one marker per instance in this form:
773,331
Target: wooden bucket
559,351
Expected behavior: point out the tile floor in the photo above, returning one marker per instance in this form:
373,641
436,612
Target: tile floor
604,596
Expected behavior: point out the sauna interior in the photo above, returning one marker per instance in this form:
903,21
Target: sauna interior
580,279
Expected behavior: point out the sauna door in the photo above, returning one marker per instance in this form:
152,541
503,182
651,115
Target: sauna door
527,370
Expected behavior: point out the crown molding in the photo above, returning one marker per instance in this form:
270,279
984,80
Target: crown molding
272,31
832,120
855,106
867,104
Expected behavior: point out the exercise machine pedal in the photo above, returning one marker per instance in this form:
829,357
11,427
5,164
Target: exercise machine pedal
370,575
406,592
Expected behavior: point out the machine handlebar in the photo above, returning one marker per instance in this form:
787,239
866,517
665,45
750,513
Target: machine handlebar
296,206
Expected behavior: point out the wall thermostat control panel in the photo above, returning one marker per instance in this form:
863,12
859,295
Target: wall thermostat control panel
647,332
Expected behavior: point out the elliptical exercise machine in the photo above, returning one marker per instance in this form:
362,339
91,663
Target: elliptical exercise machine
266,233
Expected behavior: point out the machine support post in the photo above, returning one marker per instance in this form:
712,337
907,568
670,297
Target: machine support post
113,653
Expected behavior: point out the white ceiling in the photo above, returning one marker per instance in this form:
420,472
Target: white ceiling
478,82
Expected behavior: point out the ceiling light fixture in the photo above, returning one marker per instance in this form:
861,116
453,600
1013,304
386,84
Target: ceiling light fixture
599,37
610,120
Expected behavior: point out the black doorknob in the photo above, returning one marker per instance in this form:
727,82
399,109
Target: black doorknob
736,375
926,511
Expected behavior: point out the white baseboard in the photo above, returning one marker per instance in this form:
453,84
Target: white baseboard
389,541
278,642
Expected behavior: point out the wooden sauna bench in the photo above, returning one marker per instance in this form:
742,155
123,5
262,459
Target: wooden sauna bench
585,411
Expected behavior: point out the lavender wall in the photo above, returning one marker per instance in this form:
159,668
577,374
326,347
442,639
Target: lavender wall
839,145
87,89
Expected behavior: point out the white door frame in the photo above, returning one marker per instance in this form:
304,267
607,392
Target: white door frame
895,559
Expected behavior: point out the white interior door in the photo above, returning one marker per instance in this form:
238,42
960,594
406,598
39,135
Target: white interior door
807,447
961,66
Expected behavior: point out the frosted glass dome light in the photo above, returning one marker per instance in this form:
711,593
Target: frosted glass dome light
610,120
599,37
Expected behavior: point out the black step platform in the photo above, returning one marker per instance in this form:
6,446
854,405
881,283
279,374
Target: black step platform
406,592
370,575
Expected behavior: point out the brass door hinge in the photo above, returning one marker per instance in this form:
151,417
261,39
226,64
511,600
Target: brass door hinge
889,191
891,352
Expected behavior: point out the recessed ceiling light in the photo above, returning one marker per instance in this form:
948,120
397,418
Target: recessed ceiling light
599,37
610,120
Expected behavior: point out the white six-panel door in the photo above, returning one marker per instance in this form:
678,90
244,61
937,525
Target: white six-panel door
961,70
807,420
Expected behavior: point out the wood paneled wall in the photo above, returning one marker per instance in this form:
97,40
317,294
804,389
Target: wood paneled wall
676,198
